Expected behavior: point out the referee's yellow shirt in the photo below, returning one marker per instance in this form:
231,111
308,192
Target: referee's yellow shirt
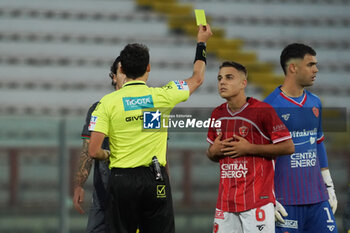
120,116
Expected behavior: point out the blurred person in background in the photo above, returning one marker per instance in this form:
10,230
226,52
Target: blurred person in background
251,135
303,184
96,220
346,219
139,191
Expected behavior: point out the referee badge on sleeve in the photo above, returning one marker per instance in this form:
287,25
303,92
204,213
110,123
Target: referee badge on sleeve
92,124
181,85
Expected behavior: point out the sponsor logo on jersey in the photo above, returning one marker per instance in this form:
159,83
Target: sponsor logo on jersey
331,227
181,85
279,127
92,124
134,103
243,131
219,214
152,120
133,118
286,116
288,224
312,140
234,170
260,227
306,159
316,111
304,133
161,191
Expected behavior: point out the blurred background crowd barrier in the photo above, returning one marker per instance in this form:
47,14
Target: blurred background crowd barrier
54,63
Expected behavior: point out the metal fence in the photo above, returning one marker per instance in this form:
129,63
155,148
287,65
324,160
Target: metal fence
38,158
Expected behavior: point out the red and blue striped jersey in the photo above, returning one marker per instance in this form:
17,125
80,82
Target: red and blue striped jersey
298,179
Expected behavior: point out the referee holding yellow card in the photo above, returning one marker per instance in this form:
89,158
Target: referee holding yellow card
139,193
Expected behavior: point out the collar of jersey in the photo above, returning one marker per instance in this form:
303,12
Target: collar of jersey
300,104
239,111
136,82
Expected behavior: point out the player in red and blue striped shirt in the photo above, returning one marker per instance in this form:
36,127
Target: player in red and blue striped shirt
302,179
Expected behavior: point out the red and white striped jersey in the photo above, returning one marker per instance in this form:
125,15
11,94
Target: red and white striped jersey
247,182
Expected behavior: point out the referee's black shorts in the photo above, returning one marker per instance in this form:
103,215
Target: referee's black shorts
137,200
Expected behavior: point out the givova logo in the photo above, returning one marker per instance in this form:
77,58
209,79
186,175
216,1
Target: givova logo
151,120
286,116
260,227
140,102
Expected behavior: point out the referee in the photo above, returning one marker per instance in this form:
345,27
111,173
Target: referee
138,191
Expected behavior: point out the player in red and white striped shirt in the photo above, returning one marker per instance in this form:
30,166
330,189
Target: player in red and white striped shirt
249,137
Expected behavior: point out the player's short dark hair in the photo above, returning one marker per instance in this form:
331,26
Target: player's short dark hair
294,51
114,66
134,60
235,65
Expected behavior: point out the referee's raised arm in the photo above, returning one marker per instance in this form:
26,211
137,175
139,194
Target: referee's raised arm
197,78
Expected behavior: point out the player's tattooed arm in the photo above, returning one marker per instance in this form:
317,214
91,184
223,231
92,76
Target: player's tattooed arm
85,164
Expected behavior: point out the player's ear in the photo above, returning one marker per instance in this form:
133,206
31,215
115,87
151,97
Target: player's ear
121,69
243,80
244,83
148,68
292,67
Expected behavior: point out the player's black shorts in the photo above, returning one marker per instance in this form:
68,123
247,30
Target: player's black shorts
96,220
137,200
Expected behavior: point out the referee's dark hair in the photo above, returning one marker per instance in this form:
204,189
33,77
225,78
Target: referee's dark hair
134,60
235,65
294,51
114,66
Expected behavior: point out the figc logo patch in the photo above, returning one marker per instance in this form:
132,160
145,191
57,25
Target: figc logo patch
92,124
181,85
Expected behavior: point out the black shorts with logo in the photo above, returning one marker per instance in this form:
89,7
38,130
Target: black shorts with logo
137,200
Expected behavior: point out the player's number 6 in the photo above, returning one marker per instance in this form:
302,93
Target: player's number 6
260,214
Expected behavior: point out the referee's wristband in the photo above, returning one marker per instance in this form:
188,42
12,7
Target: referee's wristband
201,53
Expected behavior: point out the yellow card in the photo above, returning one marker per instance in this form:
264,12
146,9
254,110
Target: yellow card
200,17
